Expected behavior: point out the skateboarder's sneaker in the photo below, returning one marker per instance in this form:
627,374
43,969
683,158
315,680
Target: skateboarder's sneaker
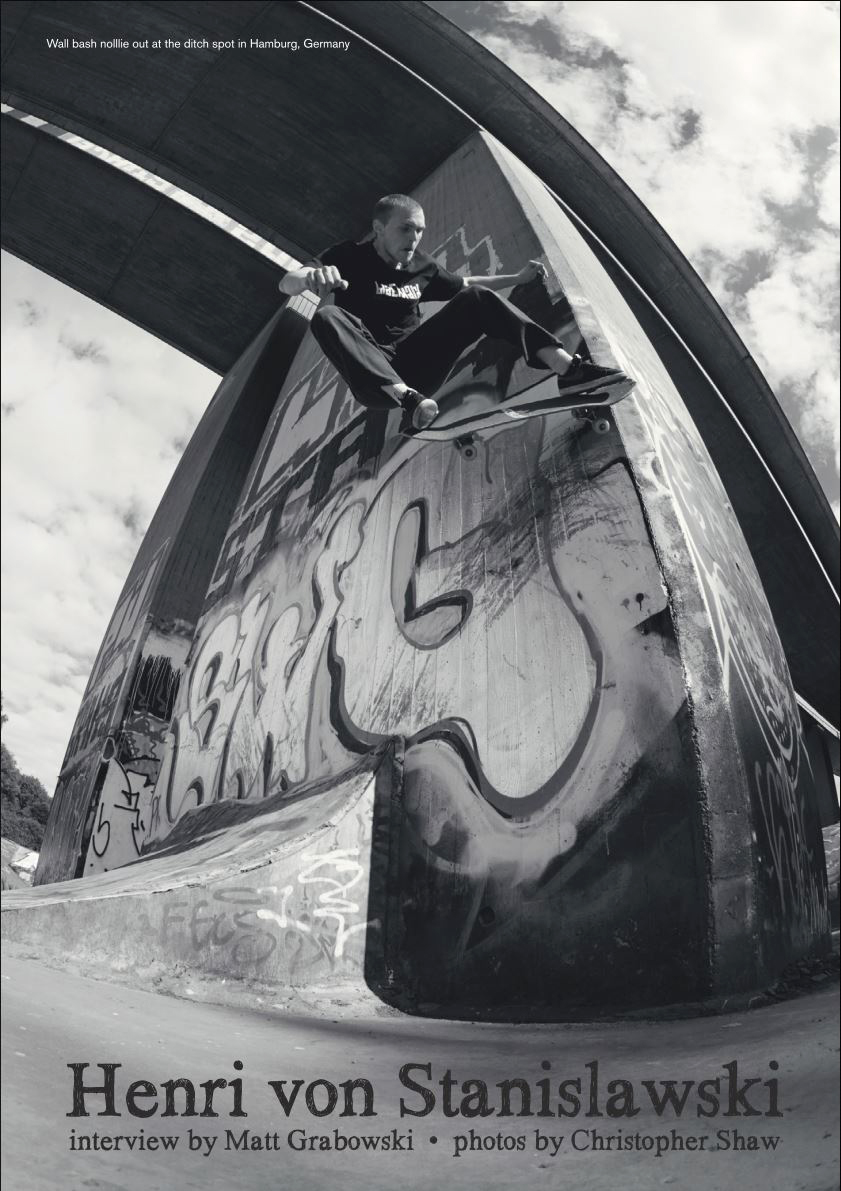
419,411
583,376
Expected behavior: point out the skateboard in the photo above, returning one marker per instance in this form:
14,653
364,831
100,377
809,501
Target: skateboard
481,410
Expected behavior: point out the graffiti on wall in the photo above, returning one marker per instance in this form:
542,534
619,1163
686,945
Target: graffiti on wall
307,923
329,879
307,916
124,806
395,611
121,817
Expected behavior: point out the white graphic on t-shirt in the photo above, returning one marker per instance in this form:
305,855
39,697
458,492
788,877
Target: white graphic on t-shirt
387,289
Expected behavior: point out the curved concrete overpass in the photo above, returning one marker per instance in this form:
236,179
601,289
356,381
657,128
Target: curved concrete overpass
252,131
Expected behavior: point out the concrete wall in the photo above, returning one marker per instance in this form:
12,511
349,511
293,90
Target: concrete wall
604,799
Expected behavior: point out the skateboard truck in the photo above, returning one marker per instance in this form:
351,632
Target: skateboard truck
594,416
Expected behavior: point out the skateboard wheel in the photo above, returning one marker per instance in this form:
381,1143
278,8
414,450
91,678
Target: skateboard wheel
601,426
469,452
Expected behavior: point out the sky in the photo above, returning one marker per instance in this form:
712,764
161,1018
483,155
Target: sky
722,117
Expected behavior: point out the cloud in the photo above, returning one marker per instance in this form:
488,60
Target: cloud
96,413
789,318
723,119
829,193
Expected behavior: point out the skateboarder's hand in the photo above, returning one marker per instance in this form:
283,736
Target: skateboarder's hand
530,271
324,280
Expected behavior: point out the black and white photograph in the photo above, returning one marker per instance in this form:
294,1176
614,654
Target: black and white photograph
420,602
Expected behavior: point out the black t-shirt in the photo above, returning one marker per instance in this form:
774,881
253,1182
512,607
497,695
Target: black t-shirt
384,298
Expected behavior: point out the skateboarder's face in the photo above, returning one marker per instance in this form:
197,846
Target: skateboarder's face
397,238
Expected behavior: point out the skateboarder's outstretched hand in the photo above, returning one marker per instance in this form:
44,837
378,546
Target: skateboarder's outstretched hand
530,271
324,280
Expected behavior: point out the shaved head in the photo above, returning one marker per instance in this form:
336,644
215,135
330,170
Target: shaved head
389,203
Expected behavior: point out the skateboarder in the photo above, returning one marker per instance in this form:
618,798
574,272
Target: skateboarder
370,326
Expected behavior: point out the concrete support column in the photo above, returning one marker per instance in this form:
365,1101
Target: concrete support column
601,797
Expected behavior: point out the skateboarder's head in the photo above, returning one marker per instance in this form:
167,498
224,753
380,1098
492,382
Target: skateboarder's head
398,227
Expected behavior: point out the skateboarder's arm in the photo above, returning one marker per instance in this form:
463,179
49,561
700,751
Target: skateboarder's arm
318,279
507,280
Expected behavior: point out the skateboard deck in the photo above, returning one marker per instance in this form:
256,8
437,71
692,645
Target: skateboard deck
481,409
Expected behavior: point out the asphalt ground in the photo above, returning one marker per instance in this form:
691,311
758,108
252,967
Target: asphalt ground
54,1018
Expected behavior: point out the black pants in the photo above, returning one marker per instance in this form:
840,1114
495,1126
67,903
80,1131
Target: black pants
423,359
